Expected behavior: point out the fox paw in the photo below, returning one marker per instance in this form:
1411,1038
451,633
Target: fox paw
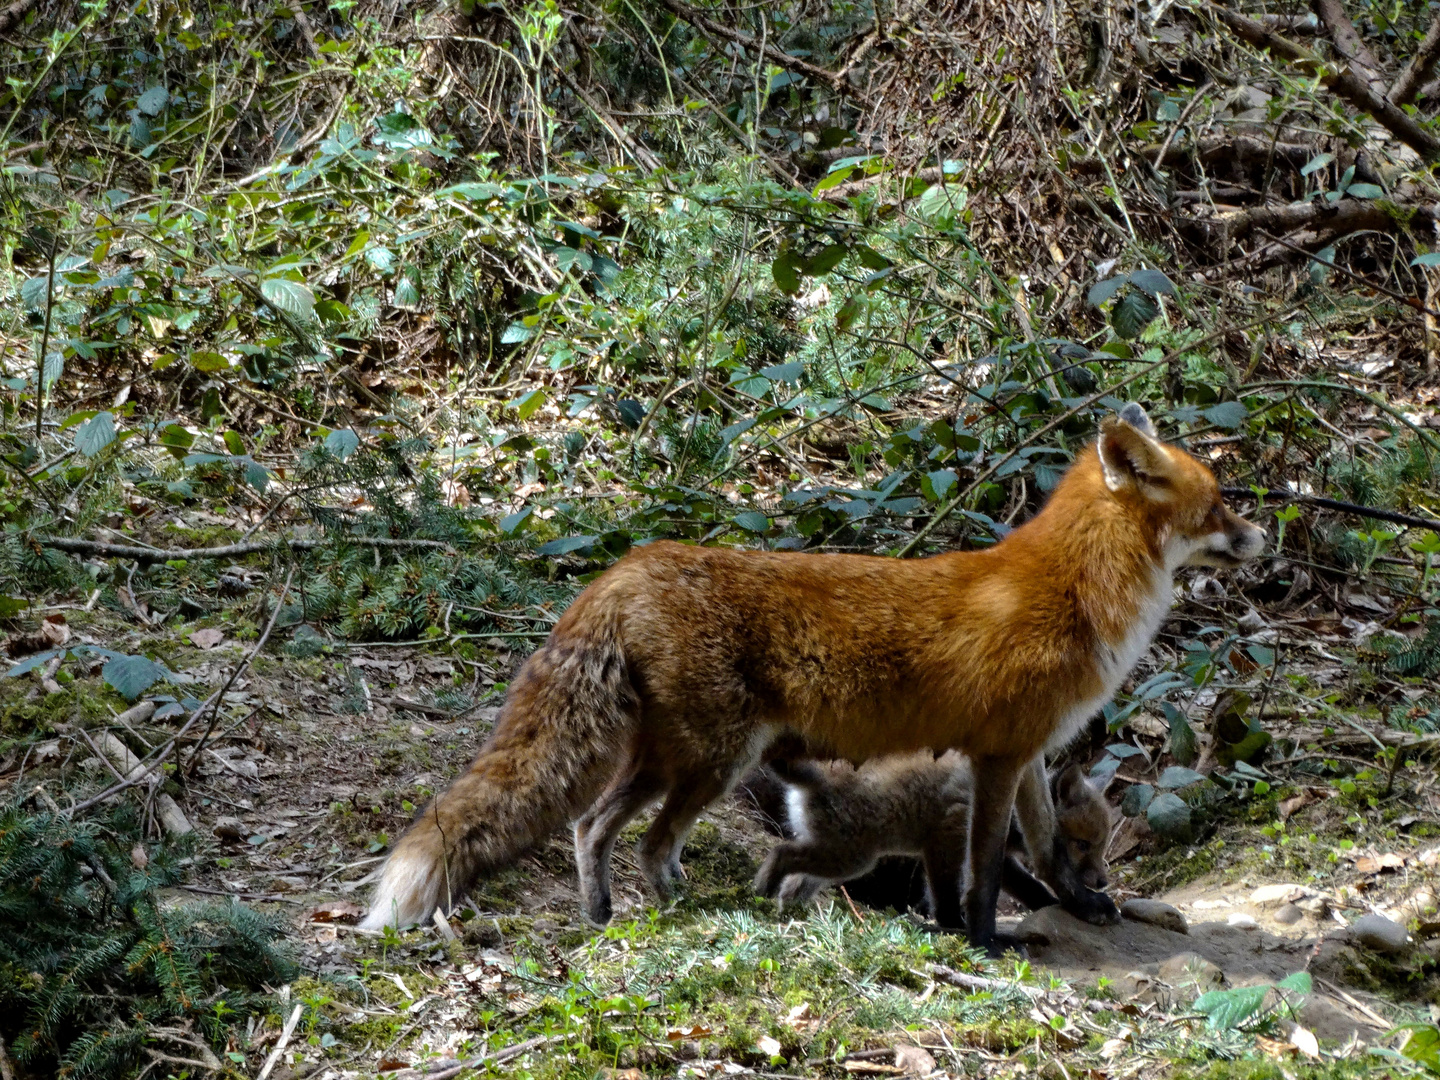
1000,944
1093,907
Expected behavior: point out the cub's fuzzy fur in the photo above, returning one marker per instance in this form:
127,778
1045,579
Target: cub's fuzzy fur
840,821
674,670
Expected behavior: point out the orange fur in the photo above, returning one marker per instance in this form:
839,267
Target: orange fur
682,662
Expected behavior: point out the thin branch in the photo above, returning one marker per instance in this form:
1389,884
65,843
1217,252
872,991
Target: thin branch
227,551
1407,85
709,26
157,758
1349,84
1375,512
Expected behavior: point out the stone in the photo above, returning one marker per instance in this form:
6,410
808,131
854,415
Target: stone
230,828
1155,912
1267,895
1379,933
1314,905
1191,969
1288,915
1241,921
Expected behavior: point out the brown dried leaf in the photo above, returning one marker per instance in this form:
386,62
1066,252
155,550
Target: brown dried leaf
207,638
336,911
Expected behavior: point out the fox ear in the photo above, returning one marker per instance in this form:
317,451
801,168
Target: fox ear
1131,456
1070,783
1135,415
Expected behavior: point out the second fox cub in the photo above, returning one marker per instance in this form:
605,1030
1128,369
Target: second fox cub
671,674
843,820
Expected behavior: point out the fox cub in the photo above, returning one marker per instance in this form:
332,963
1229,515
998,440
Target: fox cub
843,820
671,674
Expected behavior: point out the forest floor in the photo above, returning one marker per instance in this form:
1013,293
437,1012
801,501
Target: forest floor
323,759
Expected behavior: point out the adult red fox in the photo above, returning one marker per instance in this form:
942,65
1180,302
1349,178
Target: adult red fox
840,821
675,669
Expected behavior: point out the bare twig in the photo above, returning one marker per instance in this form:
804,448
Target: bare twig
282,1042
155,759
448,1067
709,26
1348,42
1335,504
227,551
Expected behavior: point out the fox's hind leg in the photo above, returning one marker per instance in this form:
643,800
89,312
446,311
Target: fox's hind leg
597,831
662,843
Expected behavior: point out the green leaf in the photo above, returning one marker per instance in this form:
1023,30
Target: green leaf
1319,161
33,292
131,676
205,360
515,333
1153,282
1228,414
233,442
870,258
834,179
1430,258
1231,1008
95,434
357,245
256,475
342,443
332,311
526,406
291,297
1132,314
828,259
11,606
1136,800
406,293
1168,815
1298,983
1183,744
176,439
29,664
752,521
568,544
848,313
941,482
511,523
1178,776
1104,290
786,271
153,100
1423,1045
789,372
1365,191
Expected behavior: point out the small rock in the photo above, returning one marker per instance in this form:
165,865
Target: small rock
1191,969
1156,913
914,1060
1266,895
1313,905
1288,915
1379,933
1251,622
230,828
1240,921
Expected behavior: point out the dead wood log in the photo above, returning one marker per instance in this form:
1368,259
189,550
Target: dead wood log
1409,82
1349,84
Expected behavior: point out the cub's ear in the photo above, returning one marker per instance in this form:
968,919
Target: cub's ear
1135,415
1070,785
1131,457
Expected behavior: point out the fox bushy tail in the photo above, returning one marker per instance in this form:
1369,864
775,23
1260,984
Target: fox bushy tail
567,722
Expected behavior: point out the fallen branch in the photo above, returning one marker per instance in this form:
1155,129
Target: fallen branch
1325,220
977,982
171,817
227,551
448,1067
1348,84
709,26
1348,43
282,1042
1407,85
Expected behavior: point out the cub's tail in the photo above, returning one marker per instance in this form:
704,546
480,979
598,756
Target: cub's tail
567,722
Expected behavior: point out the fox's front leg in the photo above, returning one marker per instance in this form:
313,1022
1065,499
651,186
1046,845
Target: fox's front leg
1048,854
994,801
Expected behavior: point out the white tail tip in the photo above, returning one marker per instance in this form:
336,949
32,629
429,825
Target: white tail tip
407,894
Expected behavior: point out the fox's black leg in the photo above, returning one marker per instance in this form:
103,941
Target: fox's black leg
995,782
